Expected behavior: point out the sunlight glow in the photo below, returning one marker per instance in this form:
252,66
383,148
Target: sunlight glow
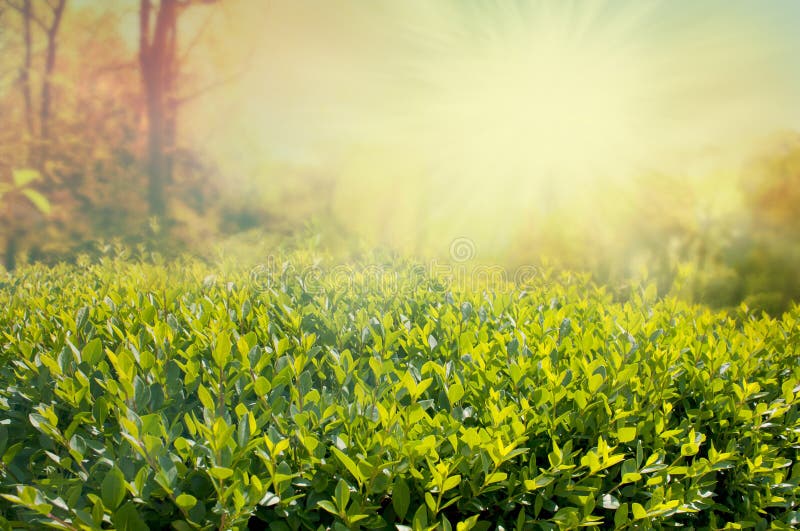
526,109
436,119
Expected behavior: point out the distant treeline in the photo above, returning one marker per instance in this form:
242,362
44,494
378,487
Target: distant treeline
721,243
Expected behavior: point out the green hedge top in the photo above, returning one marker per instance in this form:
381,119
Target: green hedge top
143,397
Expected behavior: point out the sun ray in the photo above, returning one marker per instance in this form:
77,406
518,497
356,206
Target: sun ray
502,109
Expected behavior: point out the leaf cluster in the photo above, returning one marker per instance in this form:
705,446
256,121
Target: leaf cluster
137,396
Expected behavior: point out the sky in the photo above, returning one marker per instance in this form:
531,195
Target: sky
431,120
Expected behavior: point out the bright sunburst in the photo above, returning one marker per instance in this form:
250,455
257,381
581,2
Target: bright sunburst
444,118
517,108
525,102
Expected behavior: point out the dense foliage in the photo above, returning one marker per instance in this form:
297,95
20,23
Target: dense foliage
182,396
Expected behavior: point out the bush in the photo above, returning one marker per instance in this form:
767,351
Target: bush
137,396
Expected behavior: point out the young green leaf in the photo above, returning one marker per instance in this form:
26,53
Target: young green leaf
401,498
112,489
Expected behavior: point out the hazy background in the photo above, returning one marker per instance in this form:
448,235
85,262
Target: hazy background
431,120
618,137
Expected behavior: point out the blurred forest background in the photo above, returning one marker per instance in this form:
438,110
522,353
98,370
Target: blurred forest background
183,126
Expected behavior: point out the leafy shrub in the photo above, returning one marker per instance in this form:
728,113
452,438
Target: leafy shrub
137,396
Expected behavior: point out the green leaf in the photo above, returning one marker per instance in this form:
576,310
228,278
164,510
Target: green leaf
467,524
689,449
328,506
342,493
186,501
81,316
494,478
348,463
639,512
455,392
621,516
127,519
205,398
220,472
420,520
92,352
454,481
595,381
38,200
538,482
430,502
262,386
24,176
401,497
222,349
112,489
626,434
639,453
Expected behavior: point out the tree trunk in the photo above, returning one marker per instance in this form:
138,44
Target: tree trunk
50,63
156,164
25,75
157,63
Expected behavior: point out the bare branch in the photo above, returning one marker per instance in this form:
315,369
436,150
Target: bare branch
26,68
58,12
114,67
186,3
39,22
210,87
196,38
50,61
32,16
178,101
